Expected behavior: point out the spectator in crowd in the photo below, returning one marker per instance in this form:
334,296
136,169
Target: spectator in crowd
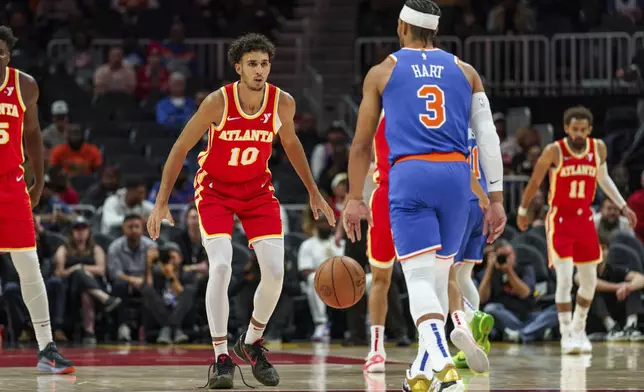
59,184
511,17
308,134
506,290
336,138
82,262
55,291
183,191
311,255
526,166
526,139
152,79
609,220
126,201
618,299
254,13
195,259
339,189
133,54
126,262
468,26
56,12
633,9
622,179
124,6
109,180
176,109
56,132
115,76
168,299
538,210
177,55
76,156
54,213
336,158
636,203
81,62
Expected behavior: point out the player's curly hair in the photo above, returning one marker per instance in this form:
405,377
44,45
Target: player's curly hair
426,7
251,42
7,36
578,113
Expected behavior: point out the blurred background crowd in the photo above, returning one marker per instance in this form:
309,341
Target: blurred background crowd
120,78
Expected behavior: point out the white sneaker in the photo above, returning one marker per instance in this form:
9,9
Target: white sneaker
570,344
476,358
375,363
420,382
586,346
321,333
124,333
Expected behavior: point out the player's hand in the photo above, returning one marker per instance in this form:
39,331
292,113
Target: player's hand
34,195
353,213
522,222
484,203
318,203
623,291
494,223
159,213
630,215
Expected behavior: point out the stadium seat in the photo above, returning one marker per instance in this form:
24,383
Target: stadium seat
103,240
633,243
517,118
113,147
546,133
620,254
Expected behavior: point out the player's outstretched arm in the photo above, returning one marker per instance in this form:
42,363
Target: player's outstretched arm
477,189
33,137
608,186
210,111
361,150
295,153
549,157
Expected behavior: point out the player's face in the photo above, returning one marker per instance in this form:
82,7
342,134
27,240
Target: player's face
578,131
5,55
254,69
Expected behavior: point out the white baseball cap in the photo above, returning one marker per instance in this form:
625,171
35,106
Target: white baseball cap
59,107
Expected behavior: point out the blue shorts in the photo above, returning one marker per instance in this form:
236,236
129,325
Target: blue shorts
428,203
473,243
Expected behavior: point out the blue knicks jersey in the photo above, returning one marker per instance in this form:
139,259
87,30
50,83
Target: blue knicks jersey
475,163
427,101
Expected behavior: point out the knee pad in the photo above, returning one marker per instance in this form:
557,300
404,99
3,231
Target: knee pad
587,280
564,269
270,256
419,275
220,255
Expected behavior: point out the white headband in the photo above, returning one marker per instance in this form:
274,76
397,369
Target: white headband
419,19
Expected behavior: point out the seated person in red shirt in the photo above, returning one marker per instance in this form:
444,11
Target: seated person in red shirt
76,156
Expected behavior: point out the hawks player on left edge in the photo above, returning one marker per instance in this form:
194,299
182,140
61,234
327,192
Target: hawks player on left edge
18,121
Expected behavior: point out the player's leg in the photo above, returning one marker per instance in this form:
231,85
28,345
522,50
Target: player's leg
216,228
263,225
381,253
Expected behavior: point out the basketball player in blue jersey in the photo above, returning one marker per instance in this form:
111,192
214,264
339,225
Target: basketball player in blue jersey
429,97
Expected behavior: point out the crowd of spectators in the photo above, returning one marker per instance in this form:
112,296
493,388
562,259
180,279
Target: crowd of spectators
107,128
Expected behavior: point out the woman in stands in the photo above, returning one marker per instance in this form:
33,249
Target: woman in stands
82,262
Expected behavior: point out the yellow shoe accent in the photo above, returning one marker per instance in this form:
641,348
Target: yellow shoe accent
448,374
420,383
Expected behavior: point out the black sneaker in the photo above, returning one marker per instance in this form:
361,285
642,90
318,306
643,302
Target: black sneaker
112,303
222,376
253,354
51,361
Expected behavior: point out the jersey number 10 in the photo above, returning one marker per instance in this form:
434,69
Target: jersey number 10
435,104
246,157
4,133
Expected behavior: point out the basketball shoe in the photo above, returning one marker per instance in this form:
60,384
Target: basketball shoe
475,357
253,354
570,343
375,362
447,380
223,374
51,361
481,327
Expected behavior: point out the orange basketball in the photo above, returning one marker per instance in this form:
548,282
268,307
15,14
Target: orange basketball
340,282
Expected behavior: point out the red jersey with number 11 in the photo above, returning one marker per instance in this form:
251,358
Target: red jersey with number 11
381,151
12,112
239,148
574,181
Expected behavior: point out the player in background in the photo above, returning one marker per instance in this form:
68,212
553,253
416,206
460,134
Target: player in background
429,98
243,119
576,165
19,122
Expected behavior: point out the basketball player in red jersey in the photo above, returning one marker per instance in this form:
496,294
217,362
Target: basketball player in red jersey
242,119
19,121
577,164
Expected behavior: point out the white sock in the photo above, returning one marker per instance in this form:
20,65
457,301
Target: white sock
469,310
579,318
220,347
270,256
34,294
460,319
565,319
220,255
631,321
433,335
471,299
422,363
378,339
609,323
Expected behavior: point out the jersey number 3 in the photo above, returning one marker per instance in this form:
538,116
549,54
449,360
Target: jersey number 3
435,104
4,133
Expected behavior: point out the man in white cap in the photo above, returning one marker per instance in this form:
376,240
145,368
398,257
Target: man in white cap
56,132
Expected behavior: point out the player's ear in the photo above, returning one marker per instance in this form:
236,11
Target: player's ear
238,69
590,129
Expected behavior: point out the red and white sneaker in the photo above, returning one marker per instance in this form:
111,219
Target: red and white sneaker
375,363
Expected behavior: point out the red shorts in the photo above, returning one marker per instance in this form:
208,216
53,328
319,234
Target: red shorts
572,236
380,241
17,232
253,202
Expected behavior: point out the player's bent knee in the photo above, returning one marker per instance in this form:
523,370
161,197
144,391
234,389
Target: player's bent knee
270,256
381,276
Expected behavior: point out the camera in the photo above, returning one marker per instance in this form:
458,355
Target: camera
164,255
501,259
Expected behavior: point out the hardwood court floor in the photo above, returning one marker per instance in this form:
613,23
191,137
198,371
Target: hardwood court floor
323,368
